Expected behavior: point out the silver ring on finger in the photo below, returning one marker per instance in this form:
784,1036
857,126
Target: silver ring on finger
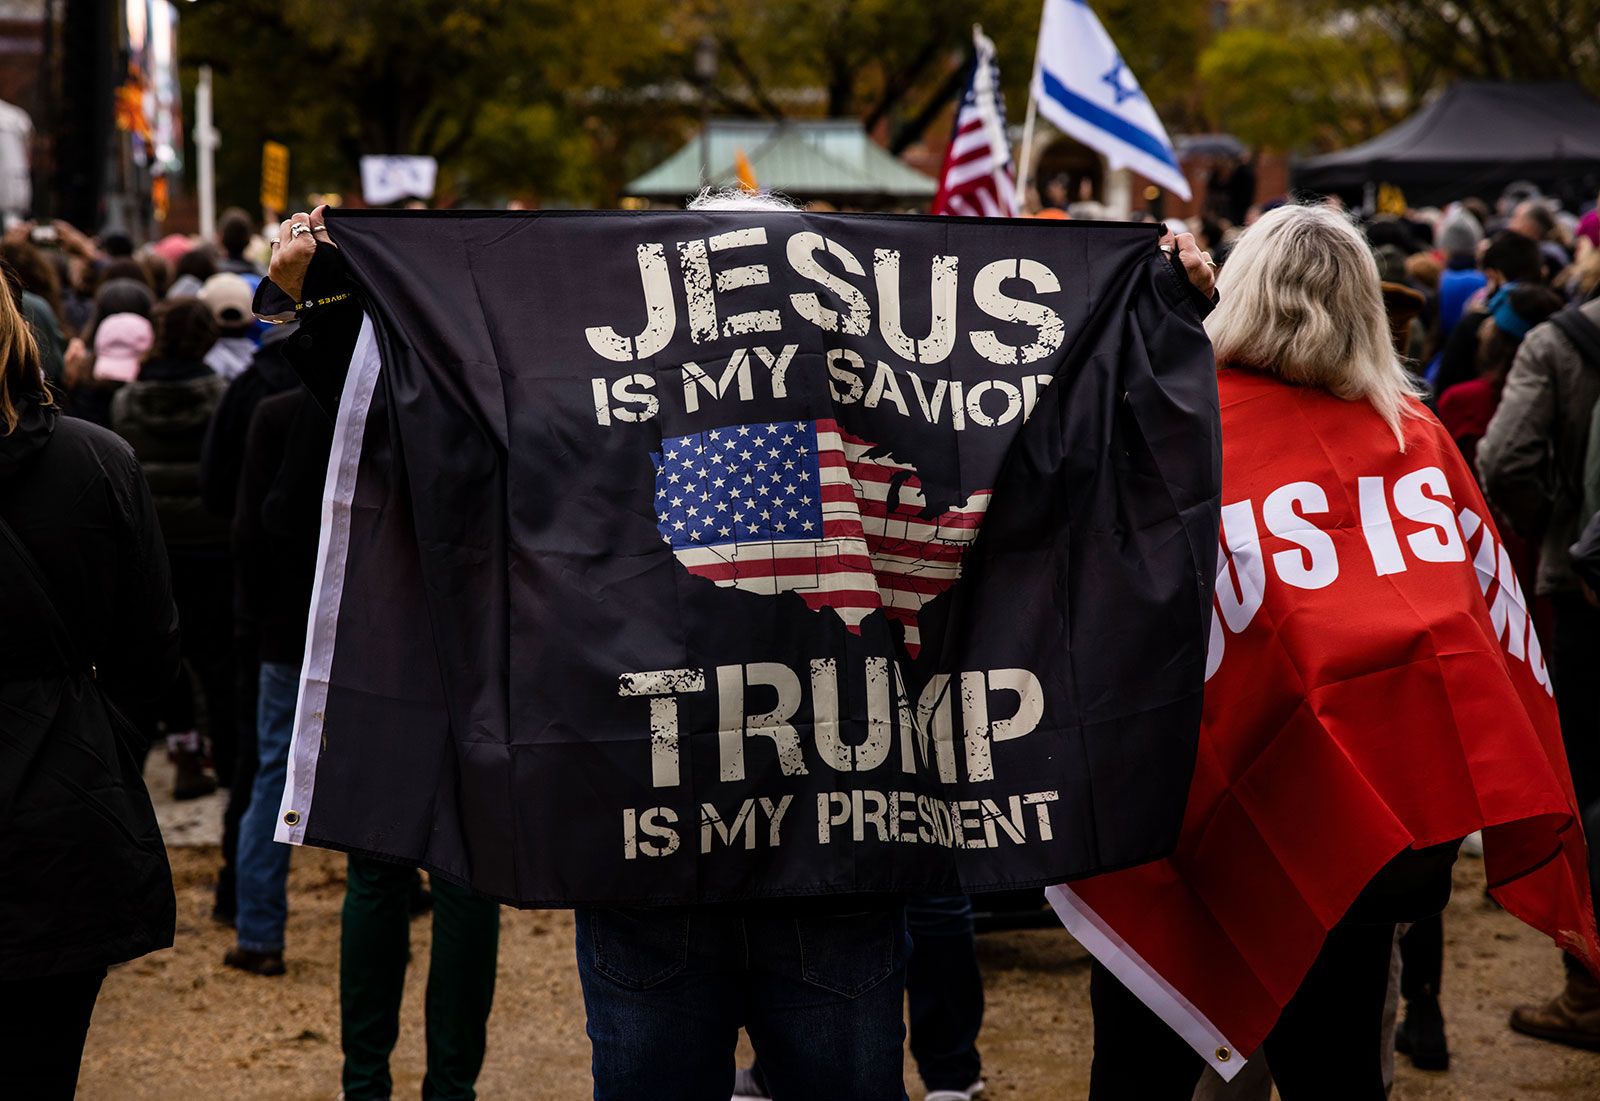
298,228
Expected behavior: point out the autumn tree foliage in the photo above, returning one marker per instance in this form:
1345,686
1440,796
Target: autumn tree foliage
562,101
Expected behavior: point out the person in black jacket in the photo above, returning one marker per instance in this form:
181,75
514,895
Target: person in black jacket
84,872
276,521
164,414
221,460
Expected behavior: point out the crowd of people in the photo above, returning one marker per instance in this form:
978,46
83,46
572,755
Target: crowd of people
212,520
1491,308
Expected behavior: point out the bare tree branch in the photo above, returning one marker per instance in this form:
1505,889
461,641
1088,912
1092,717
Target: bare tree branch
911,131
897,84
752,81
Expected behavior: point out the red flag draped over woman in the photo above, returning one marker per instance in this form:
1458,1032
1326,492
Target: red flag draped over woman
1375,686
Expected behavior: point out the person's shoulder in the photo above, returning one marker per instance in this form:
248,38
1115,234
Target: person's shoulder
1240,385
1544,344
87,436
84,442
36,309
242,383
275,412
1243,380
1255,401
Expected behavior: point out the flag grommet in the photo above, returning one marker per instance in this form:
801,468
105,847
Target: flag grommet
1223,1055
291,818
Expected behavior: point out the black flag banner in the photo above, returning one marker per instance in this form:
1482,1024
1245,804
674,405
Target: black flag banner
684,557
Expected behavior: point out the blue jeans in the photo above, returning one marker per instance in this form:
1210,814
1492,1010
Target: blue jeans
819,992
263,871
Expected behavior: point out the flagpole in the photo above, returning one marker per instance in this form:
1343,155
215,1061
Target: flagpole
1023,165
205,144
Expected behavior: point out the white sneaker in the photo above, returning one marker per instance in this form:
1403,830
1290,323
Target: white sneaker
968,1094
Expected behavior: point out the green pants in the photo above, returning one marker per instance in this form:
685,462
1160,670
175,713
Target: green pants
375,947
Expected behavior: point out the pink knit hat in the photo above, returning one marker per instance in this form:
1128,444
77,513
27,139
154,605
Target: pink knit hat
120,345
173,247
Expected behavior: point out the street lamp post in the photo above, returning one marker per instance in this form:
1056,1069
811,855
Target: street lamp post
43,199
206,141
705,72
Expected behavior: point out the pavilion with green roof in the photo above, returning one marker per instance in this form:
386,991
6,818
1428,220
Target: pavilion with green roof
805,159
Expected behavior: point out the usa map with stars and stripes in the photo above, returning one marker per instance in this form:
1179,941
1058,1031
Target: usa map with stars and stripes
806,507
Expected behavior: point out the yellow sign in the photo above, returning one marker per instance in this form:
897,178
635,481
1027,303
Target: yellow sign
742,169
1391,200
274,177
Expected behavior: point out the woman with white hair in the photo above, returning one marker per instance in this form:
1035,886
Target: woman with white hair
1364,709
1301,299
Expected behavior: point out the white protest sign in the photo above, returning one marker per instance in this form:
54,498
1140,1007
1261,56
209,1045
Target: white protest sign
389,179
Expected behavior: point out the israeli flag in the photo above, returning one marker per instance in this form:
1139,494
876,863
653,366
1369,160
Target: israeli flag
1084,88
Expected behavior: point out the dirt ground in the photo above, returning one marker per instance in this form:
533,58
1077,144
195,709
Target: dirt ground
178,1025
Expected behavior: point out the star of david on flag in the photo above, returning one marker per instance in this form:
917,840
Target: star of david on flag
1113,79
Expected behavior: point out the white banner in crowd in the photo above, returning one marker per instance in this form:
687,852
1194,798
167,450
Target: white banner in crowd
392,178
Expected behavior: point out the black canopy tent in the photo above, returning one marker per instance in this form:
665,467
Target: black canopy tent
1474,139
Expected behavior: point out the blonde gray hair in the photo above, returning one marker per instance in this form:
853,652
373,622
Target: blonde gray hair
737,198
1301,299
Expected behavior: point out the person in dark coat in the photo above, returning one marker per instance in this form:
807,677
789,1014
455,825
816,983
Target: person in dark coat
276,522
1241,190
34,281
221,460
164,414
234,233
86,881
1532,460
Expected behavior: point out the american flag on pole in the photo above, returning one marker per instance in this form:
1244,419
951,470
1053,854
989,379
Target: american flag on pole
977,176
806,507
